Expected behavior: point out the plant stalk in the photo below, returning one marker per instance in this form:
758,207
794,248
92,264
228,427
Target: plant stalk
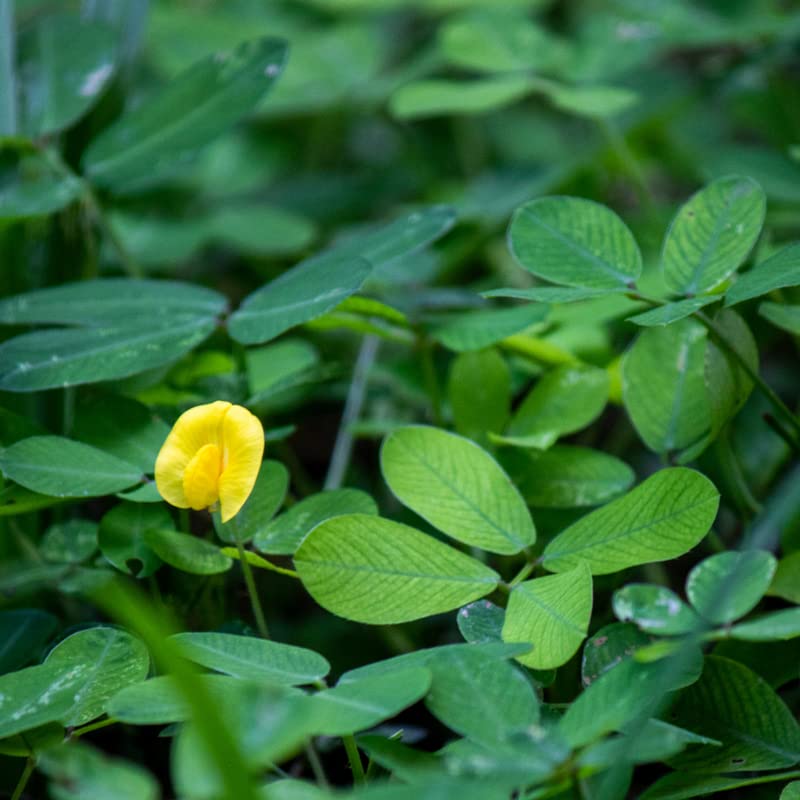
255,602
356,765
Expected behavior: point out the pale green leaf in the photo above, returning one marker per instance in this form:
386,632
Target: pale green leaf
552,613
372,570
777,626
782,316
457,487
655,609
662,518
480,328
672,312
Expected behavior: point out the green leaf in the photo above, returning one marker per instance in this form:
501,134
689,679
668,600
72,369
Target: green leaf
34,189
673,312
121,426
284,534
779,271
266,498
566,476
69,542
566,399
577,242
629,692
479,389
727,586
727,383
60,467
786,581
777,626
189,112
251,658
319,284
271,365
480,328
107,659
121,537
782,316
596,102
23,634
457,487
56,359
685,785
732,704
303,293
495,40
106,301
481,621
712,234
551,613
372,570
655,609
608,648
662,518
433,98
187,553
553,294
159,701
78,771
59,84
664,388
37,740
360,704
480,697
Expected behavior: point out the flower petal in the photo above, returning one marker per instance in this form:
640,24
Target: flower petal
195,428
201,478
243,449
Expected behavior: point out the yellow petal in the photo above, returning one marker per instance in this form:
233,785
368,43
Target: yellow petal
242,451
194,429
201,478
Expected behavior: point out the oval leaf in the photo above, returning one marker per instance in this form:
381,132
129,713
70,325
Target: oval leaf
726,586
187,553
576,242
372,570
59,467
551,613
712,234
662,518
655,609
457,487
249,657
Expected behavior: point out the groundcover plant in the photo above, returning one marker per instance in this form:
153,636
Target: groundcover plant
398,400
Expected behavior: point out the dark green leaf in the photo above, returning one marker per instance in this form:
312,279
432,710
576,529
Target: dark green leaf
778,271
187,553
121,537
23,633
655,609
477,329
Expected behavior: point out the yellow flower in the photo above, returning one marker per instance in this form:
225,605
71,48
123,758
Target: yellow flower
213,453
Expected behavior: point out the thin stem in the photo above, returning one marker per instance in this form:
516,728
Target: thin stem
343,447
256,560
778,428
316,765
356,765
431,381
767,390
92,726
523,573
729,463
258,612
30,765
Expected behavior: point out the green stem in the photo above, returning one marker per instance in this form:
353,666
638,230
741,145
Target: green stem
258,612
92,726
782,409
316,765
523,573
742,496
354,757
30,765
431,381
